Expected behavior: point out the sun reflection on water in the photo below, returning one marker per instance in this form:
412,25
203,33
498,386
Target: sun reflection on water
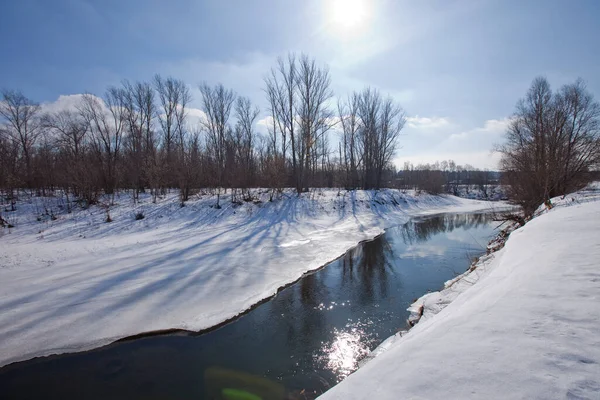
348,346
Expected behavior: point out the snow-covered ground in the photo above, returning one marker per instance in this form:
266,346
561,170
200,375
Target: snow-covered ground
525,324
76,282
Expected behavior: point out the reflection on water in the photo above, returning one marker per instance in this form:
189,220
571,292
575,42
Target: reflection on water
341,355
365,269
295,346
423,229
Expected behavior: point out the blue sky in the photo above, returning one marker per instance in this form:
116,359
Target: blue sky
457,67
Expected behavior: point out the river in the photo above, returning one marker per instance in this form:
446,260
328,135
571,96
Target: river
296,345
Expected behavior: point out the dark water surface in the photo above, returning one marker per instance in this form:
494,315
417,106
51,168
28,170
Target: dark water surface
294,346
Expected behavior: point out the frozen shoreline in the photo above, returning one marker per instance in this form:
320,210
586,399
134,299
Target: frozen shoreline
78,283
510,321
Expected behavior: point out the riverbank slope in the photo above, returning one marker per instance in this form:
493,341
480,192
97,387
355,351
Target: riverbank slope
72,282
528,328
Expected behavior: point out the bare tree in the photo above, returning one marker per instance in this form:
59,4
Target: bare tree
369,111
174,97
272,160
9,174
184,153
381,123
351,125
140,143
69,128
298,91
551,144
244,138
106,120
190,164
217,103
70,131
21,125
393,119
314,117
579,134
282,94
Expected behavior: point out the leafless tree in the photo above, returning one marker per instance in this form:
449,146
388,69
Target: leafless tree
9,174
21,125
106,119
393,119
184,153
190,163
298,91
351,152
76,170
281,91
579,122
173,98
551,144
314,117
381,123
217,104
244,143
369,112
140,143
69,128
274,167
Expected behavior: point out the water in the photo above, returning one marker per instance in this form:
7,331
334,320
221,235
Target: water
294,346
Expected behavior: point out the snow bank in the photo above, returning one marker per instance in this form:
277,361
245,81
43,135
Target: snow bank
523,324
76,282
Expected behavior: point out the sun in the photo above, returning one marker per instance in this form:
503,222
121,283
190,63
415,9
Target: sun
349,15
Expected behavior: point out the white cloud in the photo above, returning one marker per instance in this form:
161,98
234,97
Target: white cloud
195,118
425,123
470,146
266,121
422,251
492,127
495,125
64,102
264,124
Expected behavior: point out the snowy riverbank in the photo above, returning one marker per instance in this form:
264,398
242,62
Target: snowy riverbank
523,324
76,282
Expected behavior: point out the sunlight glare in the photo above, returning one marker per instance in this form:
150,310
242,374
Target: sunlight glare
349,15
342,354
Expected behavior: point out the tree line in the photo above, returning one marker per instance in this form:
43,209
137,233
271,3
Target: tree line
139,136
447,177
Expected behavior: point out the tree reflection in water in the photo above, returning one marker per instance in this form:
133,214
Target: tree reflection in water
421,230
366,267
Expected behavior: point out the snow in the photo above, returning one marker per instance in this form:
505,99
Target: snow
77,283
524,324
